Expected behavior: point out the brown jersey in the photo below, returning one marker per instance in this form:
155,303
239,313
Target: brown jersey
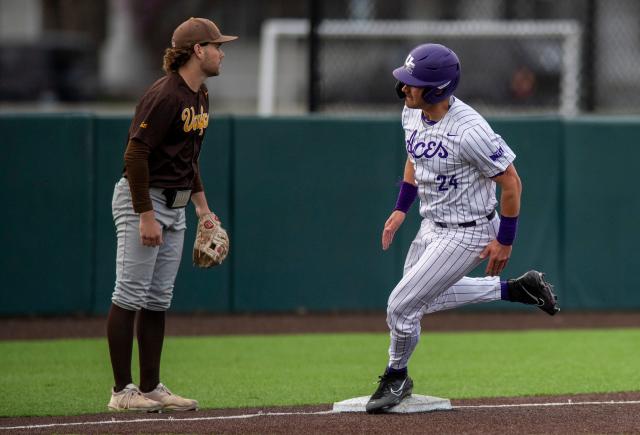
171,120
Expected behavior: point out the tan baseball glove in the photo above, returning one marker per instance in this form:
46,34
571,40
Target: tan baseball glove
212,243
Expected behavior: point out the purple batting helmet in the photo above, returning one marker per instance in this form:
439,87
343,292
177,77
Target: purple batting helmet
433,67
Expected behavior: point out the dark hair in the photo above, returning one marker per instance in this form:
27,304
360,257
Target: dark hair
174,58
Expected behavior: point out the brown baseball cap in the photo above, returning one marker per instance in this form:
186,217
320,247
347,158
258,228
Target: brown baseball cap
196,31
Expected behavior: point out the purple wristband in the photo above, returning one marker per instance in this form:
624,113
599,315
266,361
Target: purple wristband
507,231
406,196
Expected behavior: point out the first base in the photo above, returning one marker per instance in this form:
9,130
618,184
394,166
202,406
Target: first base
414,403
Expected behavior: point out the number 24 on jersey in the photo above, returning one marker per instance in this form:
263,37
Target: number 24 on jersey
444,185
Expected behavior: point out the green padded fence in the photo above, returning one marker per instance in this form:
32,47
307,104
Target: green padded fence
48,235
308,213
601,210
304,200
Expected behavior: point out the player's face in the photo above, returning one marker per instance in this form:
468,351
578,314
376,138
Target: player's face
212,59
413,97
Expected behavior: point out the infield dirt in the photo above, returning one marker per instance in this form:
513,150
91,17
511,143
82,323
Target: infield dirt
194,324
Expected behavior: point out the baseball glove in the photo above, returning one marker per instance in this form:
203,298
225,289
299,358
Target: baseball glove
212,243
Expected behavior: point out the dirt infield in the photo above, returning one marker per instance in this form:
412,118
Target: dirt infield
592,413
608,413
180,325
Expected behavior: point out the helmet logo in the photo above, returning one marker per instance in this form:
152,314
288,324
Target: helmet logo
444,85
409,64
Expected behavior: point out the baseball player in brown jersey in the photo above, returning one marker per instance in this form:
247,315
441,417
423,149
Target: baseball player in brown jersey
160,176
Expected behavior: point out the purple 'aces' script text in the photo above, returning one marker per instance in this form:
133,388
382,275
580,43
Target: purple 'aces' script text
426,150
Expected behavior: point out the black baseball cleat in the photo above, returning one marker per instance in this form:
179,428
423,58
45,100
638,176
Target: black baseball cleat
390,392
532,289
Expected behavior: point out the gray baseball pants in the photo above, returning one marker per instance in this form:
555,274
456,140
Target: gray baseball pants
145,275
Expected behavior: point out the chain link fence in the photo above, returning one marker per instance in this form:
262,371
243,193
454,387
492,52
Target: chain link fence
507,73
110,50
503,70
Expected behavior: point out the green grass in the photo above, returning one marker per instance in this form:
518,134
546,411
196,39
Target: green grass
62,377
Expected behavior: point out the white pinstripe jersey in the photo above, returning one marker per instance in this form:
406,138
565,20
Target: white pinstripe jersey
454,160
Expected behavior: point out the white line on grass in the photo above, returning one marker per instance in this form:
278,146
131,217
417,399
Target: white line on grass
272,414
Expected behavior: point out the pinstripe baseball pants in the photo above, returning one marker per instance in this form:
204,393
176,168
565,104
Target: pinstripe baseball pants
434,280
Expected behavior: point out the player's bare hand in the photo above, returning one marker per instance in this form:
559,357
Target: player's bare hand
390,227
498,257
150,229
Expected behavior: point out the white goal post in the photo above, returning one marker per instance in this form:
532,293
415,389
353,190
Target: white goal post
568,31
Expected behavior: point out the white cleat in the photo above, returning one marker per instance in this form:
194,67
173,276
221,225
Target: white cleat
170,401
131,399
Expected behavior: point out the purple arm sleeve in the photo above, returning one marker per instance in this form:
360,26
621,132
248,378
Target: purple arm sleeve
507,230
406,196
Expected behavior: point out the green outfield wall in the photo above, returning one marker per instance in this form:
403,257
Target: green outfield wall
304,200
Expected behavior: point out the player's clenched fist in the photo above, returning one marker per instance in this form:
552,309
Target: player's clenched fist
390,227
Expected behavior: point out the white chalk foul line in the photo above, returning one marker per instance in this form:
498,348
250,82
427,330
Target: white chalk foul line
169,419
272,414
569,403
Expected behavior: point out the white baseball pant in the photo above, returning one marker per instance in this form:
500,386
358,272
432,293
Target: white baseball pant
434,280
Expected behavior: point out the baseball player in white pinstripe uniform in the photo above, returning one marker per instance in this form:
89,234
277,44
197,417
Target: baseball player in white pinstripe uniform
454,161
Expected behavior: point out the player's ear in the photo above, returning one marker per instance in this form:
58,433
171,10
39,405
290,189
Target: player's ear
198,50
